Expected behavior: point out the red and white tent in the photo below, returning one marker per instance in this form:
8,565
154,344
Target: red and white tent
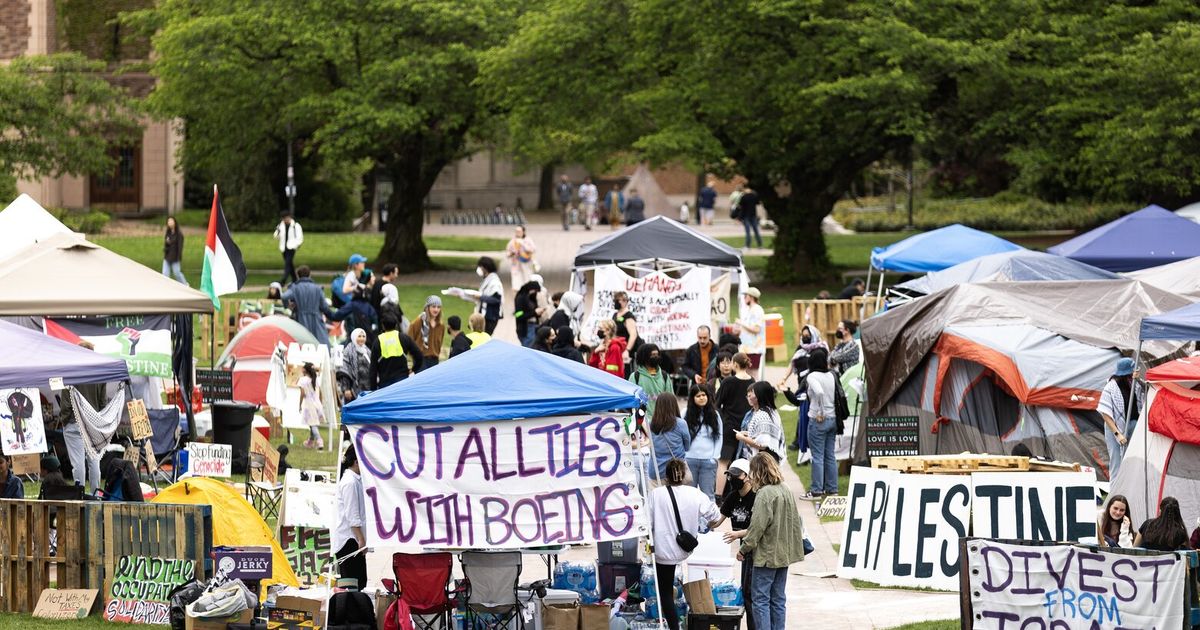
250,354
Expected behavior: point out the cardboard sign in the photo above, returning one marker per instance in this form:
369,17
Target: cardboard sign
499,485
309,500
65,604
21,428
243,563
903,530
210,460
719,299
260,445
833,507
139,420
1068,587
28,464
215,385
140,587
307,550
668,310
892,436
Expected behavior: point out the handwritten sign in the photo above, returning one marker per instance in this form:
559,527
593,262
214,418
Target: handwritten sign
260,445
28,464
21,428
139,420
307,550
668,310
719,299
892,436
66,603
210,460
903,530
140,587
1068,587
833,507
501,485
309,500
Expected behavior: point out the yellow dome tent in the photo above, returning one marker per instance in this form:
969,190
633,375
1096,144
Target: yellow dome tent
235,523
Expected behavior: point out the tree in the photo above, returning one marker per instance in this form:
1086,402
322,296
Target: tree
389,82
60,116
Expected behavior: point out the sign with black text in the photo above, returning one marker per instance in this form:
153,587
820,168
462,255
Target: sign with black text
1034,506
892,436
215,385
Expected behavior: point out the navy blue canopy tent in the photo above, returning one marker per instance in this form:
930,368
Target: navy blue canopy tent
29,358
496,381
1179,324
1149,237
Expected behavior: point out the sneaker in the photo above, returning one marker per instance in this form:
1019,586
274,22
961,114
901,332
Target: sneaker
804,458
812,496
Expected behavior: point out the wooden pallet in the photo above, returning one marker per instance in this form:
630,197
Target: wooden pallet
953,464
825,315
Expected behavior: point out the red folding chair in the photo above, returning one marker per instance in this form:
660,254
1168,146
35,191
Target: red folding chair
423,582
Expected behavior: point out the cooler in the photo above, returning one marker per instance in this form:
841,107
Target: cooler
776,348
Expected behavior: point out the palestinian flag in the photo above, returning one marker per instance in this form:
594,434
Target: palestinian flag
224,271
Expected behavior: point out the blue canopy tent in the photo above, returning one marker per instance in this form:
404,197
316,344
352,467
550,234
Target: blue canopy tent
1179,324
935,250
29,358
496,381
1149,237
1020,265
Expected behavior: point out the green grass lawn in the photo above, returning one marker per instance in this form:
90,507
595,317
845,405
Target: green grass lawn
27,622
941,624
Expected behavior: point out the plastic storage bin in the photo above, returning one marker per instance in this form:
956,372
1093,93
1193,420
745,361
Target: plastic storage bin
615,577
623,551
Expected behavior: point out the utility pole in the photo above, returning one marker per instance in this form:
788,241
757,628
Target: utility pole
911,185
290,189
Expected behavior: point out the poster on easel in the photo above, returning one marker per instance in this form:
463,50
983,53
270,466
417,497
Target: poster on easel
21,428
309,499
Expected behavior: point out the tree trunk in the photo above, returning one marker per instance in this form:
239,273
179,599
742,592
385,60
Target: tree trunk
403,243
800,255
546,188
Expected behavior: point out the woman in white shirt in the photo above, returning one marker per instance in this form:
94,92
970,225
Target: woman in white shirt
764,432
348,534
671,505
822,426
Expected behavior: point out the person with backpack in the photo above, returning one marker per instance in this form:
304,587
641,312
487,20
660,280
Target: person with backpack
704,425
676,510
650,375
822,426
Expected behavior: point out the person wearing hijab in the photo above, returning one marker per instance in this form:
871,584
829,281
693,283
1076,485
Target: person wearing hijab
427,330
354,375
543,338
564,345
569,313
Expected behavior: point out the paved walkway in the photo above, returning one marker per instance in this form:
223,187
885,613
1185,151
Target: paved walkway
829,602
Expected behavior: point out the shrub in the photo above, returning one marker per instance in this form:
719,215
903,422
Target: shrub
92,222
1004,212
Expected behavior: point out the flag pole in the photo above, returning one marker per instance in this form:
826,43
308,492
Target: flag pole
212,321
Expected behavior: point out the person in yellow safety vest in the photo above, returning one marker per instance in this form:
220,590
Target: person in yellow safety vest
390,354
477,336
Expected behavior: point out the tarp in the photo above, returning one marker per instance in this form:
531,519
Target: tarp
496,381
30,359
25,222
1100,313
1020,265
235,523
938,249
658,237
1181,324
1149,237
66,274
1181,278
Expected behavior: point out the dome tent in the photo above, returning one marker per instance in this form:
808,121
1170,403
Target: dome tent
249,354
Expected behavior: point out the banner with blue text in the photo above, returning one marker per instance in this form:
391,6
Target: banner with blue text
496,485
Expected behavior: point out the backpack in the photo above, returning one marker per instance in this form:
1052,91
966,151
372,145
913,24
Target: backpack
841,405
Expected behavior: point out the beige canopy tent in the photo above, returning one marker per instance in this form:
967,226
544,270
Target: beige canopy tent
65,274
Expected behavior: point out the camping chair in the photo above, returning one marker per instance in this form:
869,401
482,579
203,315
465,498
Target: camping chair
262,494
491,595
422,581
165,443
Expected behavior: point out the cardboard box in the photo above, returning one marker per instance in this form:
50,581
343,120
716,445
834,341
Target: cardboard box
295,612
243,563
218,623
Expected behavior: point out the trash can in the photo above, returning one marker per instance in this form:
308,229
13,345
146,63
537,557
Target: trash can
232,420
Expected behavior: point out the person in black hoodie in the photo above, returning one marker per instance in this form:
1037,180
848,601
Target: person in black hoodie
525,312
564,345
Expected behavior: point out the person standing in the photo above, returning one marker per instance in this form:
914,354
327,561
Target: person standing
775,537
706,203
674,508
312,412
822,426
752,328
310,304
626,323
737,504
10,485
520,250
609,354
699,356
390,353
669,435
650,376
384,296
733,404
563,191
348,534
635,209
427,332
564,345
459,343
291,237
173,251
1113,402
588,198
570,312
478,335
764,431
748,213
490,297
355,266
525,312
614,202
704,425
846,353
353,377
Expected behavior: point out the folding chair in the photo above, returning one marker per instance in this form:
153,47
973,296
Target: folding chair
264,495
491,596
423,582
165,443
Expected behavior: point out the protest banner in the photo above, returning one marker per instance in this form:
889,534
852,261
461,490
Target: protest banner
719,299
499,485
142,341
307,550
210,460
140,589
903,530
65,604
668,310
21,428
309,500
888,436
1034,506
1067,587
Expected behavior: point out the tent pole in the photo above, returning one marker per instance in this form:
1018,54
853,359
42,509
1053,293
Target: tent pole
645,483
862,308
879,293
